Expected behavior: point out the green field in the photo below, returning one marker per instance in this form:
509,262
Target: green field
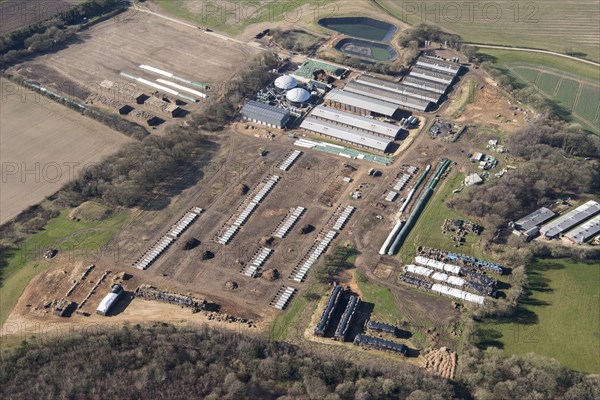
80,240
385,304
234,16
559,317
571,85
557,25
428,229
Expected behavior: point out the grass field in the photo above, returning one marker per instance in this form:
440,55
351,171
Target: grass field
558,318
571,85
74,240
555,25
234,16
428,229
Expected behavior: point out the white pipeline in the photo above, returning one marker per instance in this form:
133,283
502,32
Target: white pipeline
185,89
408,199
156,70
390,237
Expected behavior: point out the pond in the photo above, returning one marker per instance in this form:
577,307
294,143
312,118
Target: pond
366,49
360,27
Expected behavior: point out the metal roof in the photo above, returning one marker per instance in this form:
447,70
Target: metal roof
385,95
419,93
441,65
584,231
265,113
360,122
348,134
535,218
431,74
570,219
359,101
425,84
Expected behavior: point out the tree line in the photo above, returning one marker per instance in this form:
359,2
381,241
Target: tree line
55,31
165,362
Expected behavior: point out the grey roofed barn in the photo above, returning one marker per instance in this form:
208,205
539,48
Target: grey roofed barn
345,134
432,75
425,84
359,101
535,218
385,95
570,219
265,113
584,231
417,92
441,65
363,123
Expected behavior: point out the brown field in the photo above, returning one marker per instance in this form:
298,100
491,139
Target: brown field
121,45
18,14
43,144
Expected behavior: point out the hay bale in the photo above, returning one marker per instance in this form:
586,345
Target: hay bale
231,285
266,241
190,244
306,229
243,189
271,274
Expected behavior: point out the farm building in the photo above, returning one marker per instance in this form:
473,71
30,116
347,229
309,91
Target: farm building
416,92
425,84
110,300
298,96
441,65
285,82
532,220
380,344
359,104
432,75
265,114
346,134
369,125
570,219
584,232
401,100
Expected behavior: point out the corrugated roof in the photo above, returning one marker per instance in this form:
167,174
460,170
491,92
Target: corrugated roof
426,84
265,113
369,124
439,64
419,93
366,103
385,95
535,218
584,231
431,74
349,134
570,219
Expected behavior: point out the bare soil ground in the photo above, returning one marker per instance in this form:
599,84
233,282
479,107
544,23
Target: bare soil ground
43,145
121,45
18,14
